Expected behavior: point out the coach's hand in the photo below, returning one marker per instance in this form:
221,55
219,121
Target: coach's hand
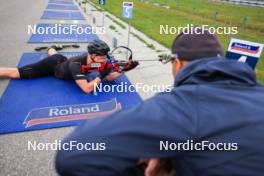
157,167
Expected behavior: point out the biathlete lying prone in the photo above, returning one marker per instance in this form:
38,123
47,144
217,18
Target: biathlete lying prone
70,69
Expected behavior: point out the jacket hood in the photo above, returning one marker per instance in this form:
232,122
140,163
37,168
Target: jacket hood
216,70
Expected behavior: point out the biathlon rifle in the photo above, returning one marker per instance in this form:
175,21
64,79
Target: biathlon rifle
120,65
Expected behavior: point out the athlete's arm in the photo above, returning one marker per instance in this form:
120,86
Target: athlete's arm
112,76
86,86
80,78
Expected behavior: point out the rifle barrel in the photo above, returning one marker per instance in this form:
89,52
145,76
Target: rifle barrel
148,60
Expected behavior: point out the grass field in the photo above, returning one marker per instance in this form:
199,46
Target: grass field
147,17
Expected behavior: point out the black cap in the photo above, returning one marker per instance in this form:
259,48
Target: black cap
196,43
98,47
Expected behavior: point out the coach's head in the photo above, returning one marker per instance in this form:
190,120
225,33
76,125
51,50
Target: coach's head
192,44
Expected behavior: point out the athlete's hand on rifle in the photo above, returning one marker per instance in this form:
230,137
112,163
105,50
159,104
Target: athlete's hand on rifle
106,70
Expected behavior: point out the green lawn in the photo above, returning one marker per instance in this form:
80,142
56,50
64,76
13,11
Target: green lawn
227,13
148,17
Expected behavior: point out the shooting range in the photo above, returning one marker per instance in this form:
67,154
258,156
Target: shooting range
47,109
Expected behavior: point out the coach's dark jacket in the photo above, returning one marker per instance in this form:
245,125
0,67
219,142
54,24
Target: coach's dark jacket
214,100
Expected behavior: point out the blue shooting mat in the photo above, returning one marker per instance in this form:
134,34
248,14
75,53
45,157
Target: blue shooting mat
53,33
47,102
61,2
62,15
62,7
